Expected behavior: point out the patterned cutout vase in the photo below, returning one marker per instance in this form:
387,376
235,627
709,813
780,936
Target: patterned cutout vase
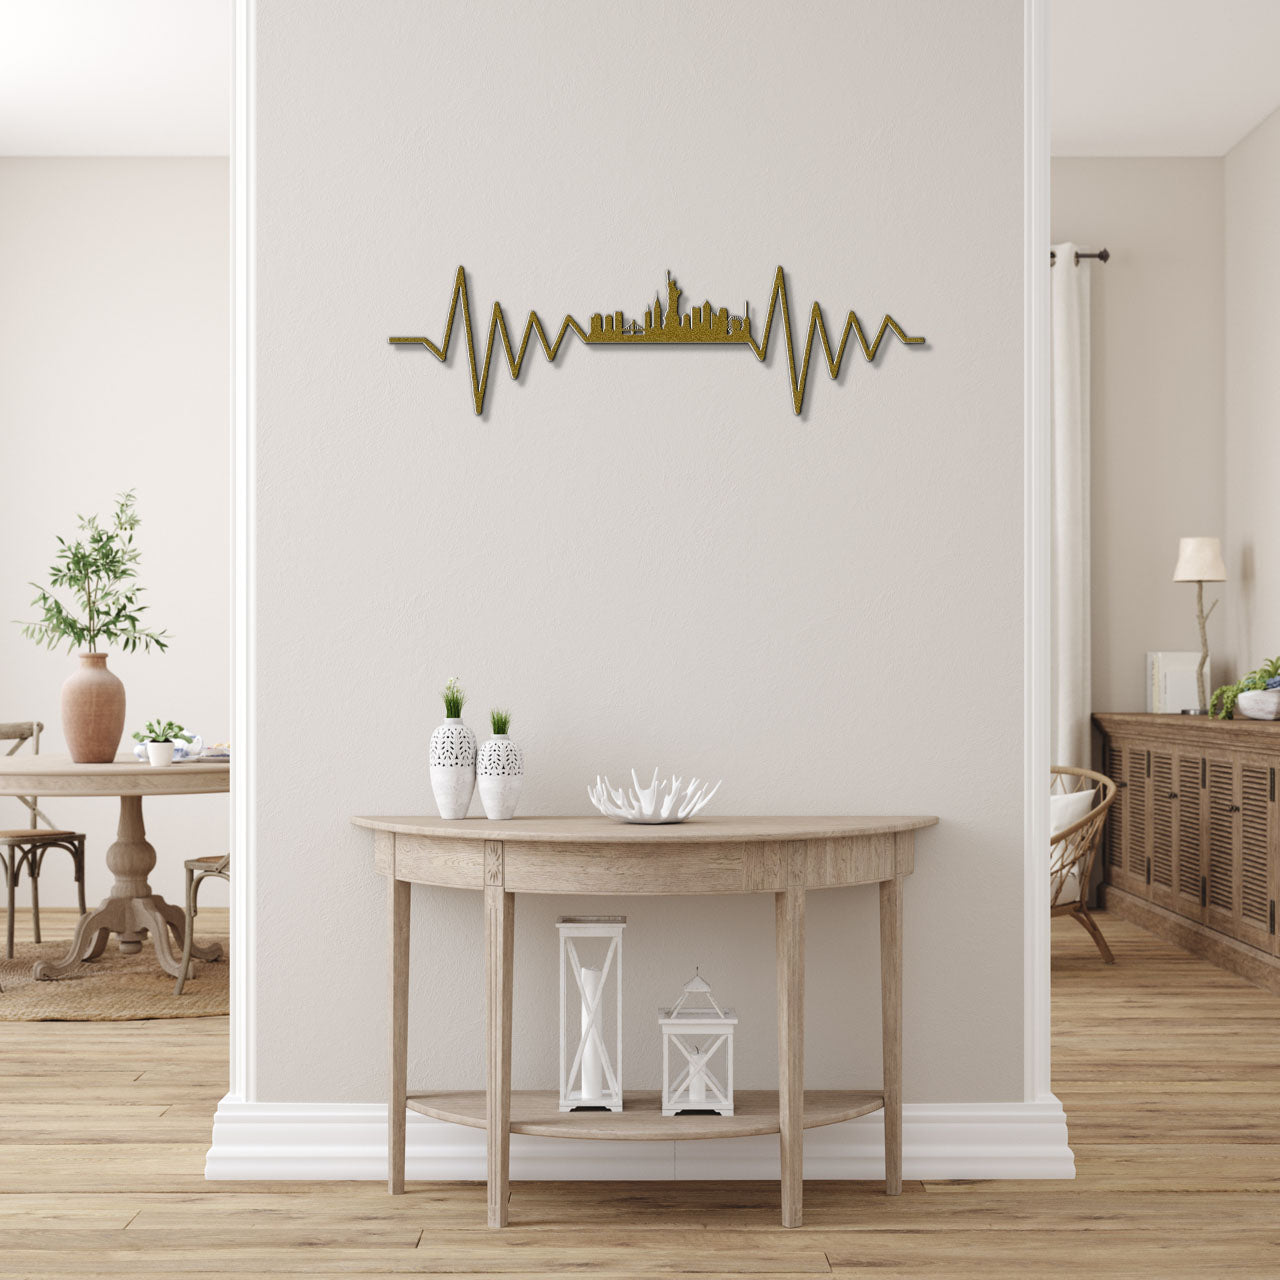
453,767
499,775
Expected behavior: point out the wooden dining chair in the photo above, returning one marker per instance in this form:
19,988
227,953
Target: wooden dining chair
198,871
1074,849
26,846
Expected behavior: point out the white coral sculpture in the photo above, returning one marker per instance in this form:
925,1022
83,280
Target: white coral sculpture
670,800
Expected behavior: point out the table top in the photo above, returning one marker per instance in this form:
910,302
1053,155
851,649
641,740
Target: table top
26,774
601,830
600,855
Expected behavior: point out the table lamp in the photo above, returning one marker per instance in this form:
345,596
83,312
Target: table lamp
1200,561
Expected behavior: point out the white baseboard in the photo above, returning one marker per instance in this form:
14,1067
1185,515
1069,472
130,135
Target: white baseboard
340,1141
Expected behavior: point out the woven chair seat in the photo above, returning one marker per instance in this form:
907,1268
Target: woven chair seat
34,835
1072,850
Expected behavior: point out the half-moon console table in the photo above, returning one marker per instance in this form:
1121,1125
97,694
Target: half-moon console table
783,856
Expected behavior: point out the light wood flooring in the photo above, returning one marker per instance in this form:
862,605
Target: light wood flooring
1168,1069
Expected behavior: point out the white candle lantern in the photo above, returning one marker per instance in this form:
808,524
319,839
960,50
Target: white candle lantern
697,1037
590,965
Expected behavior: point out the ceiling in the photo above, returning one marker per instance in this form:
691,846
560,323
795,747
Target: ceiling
1161,77
152,77
115,77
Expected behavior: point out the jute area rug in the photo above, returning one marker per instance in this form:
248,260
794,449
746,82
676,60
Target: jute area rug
113,988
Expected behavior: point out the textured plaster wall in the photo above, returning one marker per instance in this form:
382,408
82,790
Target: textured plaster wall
643,554
113,375
1252,331
1157,403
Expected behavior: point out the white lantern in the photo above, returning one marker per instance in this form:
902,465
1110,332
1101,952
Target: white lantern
590,963
697,1037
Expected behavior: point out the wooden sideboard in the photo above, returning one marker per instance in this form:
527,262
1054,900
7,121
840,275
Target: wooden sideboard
1192,845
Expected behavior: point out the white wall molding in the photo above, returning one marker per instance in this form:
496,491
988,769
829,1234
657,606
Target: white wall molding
1036,579
335,1141
243,845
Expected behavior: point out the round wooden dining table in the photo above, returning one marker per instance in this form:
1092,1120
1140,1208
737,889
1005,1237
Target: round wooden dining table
131,909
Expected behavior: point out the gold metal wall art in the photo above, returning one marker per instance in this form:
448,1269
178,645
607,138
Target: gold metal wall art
664,323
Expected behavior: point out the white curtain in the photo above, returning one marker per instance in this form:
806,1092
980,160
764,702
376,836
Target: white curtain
1070,643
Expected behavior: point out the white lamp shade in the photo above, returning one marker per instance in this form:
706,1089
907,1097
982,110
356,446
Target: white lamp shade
1200,560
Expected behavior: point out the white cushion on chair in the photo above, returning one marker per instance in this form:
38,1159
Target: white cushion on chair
1066,811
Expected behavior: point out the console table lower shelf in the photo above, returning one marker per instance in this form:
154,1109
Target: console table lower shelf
537,1112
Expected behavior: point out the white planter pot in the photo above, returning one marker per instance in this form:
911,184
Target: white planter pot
499,775
453,767
1259,704
160,752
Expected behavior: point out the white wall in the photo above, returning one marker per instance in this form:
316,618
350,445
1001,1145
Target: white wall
1252,334
644,554
1157,405
113,375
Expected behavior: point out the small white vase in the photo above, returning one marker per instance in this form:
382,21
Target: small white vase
499,775
453,767
160,752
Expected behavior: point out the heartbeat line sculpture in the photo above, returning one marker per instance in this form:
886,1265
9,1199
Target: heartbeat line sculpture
704,324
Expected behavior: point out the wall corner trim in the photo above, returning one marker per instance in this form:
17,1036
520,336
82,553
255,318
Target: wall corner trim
300,1141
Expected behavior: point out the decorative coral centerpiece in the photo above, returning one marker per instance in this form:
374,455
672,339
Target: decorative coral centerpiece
671,800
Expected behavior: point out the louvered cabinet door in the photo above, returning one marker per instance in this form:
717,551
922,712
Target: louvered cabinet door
1113,767
1222,900
1256,820
1137,821
1164,825
1190,864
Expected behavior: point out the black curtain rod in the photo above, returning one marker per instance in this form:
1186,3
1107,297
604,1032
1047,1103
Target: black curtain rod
1103,255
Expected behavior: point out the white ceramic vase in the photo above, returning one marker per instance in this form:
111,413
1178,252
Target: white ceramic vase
453,767
499,775
160,753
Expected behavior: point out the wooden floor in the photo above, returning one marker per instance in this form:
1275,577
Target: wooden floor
1169,1070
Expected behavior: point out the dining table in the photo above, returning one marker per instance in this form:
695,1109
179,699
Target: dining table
131,910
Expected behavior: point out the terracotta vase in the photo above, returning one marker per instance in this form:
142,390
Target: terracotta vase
93,711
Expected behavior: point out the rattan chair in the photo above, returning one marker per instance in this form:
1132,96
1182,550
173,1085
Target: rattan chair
198,871
1074,850
26,846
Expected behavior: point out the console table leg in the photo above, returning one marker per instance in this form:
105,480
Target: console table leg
891,1014
499,936
789,907
398,900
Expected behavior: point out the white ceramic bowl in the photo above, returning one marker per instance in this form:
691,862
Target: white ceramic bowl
1259,704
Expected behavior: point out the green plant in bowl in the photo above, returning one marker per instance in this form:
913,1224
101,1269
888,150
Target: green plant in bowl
1223,702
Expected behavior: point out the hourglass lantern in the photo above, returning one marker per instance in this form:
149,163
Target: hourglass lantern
590,984
697,1042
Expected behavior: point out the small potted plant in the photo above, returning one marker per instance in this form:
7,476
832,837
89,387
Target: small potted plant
500,770
97,571
452,756
159,737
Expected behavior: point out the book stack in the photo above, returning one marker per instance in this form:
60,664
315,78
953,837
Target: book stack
1171,682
